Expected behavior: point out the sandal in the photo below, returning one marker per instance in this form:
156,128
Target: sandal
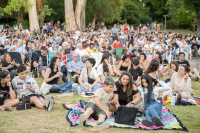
7,108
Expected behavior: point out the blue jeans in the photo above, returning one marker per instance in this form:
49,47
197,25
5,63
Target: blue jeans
66,87
153,110
147,52
96,87
174,54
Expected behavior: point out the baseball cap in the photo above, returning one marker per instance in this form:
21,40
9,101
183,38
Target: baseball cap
132,55
43,48
135,61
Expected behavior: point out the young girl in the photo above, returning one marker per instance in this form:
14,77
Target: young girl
53,76
6,88
152,105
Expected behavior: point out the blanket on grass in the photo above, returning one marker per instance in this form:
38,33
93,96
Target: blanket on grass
169,120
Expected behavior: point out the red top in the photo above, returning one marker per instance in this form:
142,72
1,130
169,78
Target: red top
126,28
116,45
27,37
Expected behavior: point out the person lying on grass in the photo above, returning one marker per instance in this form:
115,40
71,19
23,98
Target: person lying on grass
152,105
96,107
26,85
5,89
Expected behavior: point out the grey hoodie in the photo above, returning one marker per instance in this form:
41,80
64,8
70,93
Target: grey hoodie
19,86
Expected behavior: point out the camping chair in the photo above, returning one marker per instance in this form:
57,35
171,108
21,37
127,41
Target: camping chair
34,53
119,51
49,56
16,56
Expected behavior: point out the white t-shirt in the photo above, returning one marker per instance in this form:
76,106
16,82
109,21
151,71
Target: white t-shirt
100,70
149,47
81,52
84,75
160,48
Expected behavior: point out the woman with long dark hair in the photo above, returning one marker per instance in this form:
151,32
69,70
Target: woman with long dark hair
152,69
150,98
104,67
5,89
53,76
125,90
144,64
124,65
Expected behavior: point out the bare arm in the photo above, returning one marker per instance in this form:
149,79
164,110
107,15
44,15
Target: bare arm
99,104
80,80
96,82
118,67
46,77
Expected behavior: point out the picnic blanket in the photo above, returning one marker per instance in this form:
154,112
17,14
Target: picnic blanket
169,120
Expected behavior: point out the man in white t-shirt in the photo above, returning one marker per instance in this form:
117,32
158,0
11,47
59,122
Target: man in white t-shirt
82,52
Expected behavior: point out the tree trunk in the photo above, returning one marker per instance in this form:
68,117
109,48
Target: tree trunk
39,6
33,22
80,5
69,16
20,16
198,25
93,21
83,16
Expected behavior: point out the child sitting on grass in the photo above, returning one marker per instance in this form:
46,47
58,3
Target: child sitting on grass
26,85
96,107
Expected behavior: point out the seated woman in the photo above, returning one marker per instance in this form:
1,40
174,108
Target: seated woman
53,76
65,58
33,48
62,67
173,69
10,65
163,62
124,65
126,89
144,64
148,48
123,53
89,76
181,83
153,69
150,98
5,89
90,50
104,67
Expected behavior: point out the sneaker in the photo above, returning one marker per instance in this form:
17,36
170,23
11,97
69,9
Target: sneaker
50,107
147,123
47,100
157,121
192,101
82,118
104,125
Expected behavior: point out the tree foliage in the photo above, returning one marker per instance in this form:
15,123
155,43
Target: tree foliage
16,5
1,12
45,11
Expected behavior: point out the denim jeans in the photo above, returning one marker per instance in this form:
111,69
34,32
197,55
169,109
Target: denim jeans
174,54
96,87
153,110
66,87
147,52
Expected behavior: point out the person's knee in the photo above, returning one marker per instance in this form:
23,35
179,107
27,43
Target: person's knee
33,99
16,101
101,116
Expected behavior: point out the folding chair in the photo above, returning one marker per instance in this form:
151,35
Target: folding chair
34,53
50,55
119,50
16,56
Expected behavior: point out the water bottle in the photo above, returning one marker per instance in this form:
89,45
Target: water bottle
132,105
1,99
40,60
178,99
173,101
79,90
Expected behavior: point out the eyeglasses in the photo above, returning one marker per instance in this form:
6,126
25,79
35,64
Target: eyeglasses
75,56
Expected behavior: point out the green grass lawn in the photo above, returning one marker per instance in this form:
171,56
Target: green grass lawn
37,120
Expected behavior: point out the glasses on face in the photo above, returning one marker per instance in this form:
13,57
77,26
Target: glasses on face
75,56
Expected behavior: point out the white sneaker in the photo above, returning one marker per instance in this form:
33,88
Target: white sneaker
192,101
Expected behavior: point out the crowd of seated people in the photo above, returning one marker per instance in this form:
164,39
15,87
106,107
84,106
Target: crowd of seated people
144,59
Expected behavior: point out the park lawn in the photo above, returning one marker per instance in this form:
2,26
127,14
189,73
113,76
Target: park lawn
37,120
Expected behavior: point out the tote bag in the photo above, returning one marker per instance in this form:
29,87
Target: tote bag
126,115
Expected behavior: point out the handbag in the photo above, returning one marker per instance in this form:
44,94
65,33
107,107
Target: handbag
90,81
24,105
45,88
126,115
